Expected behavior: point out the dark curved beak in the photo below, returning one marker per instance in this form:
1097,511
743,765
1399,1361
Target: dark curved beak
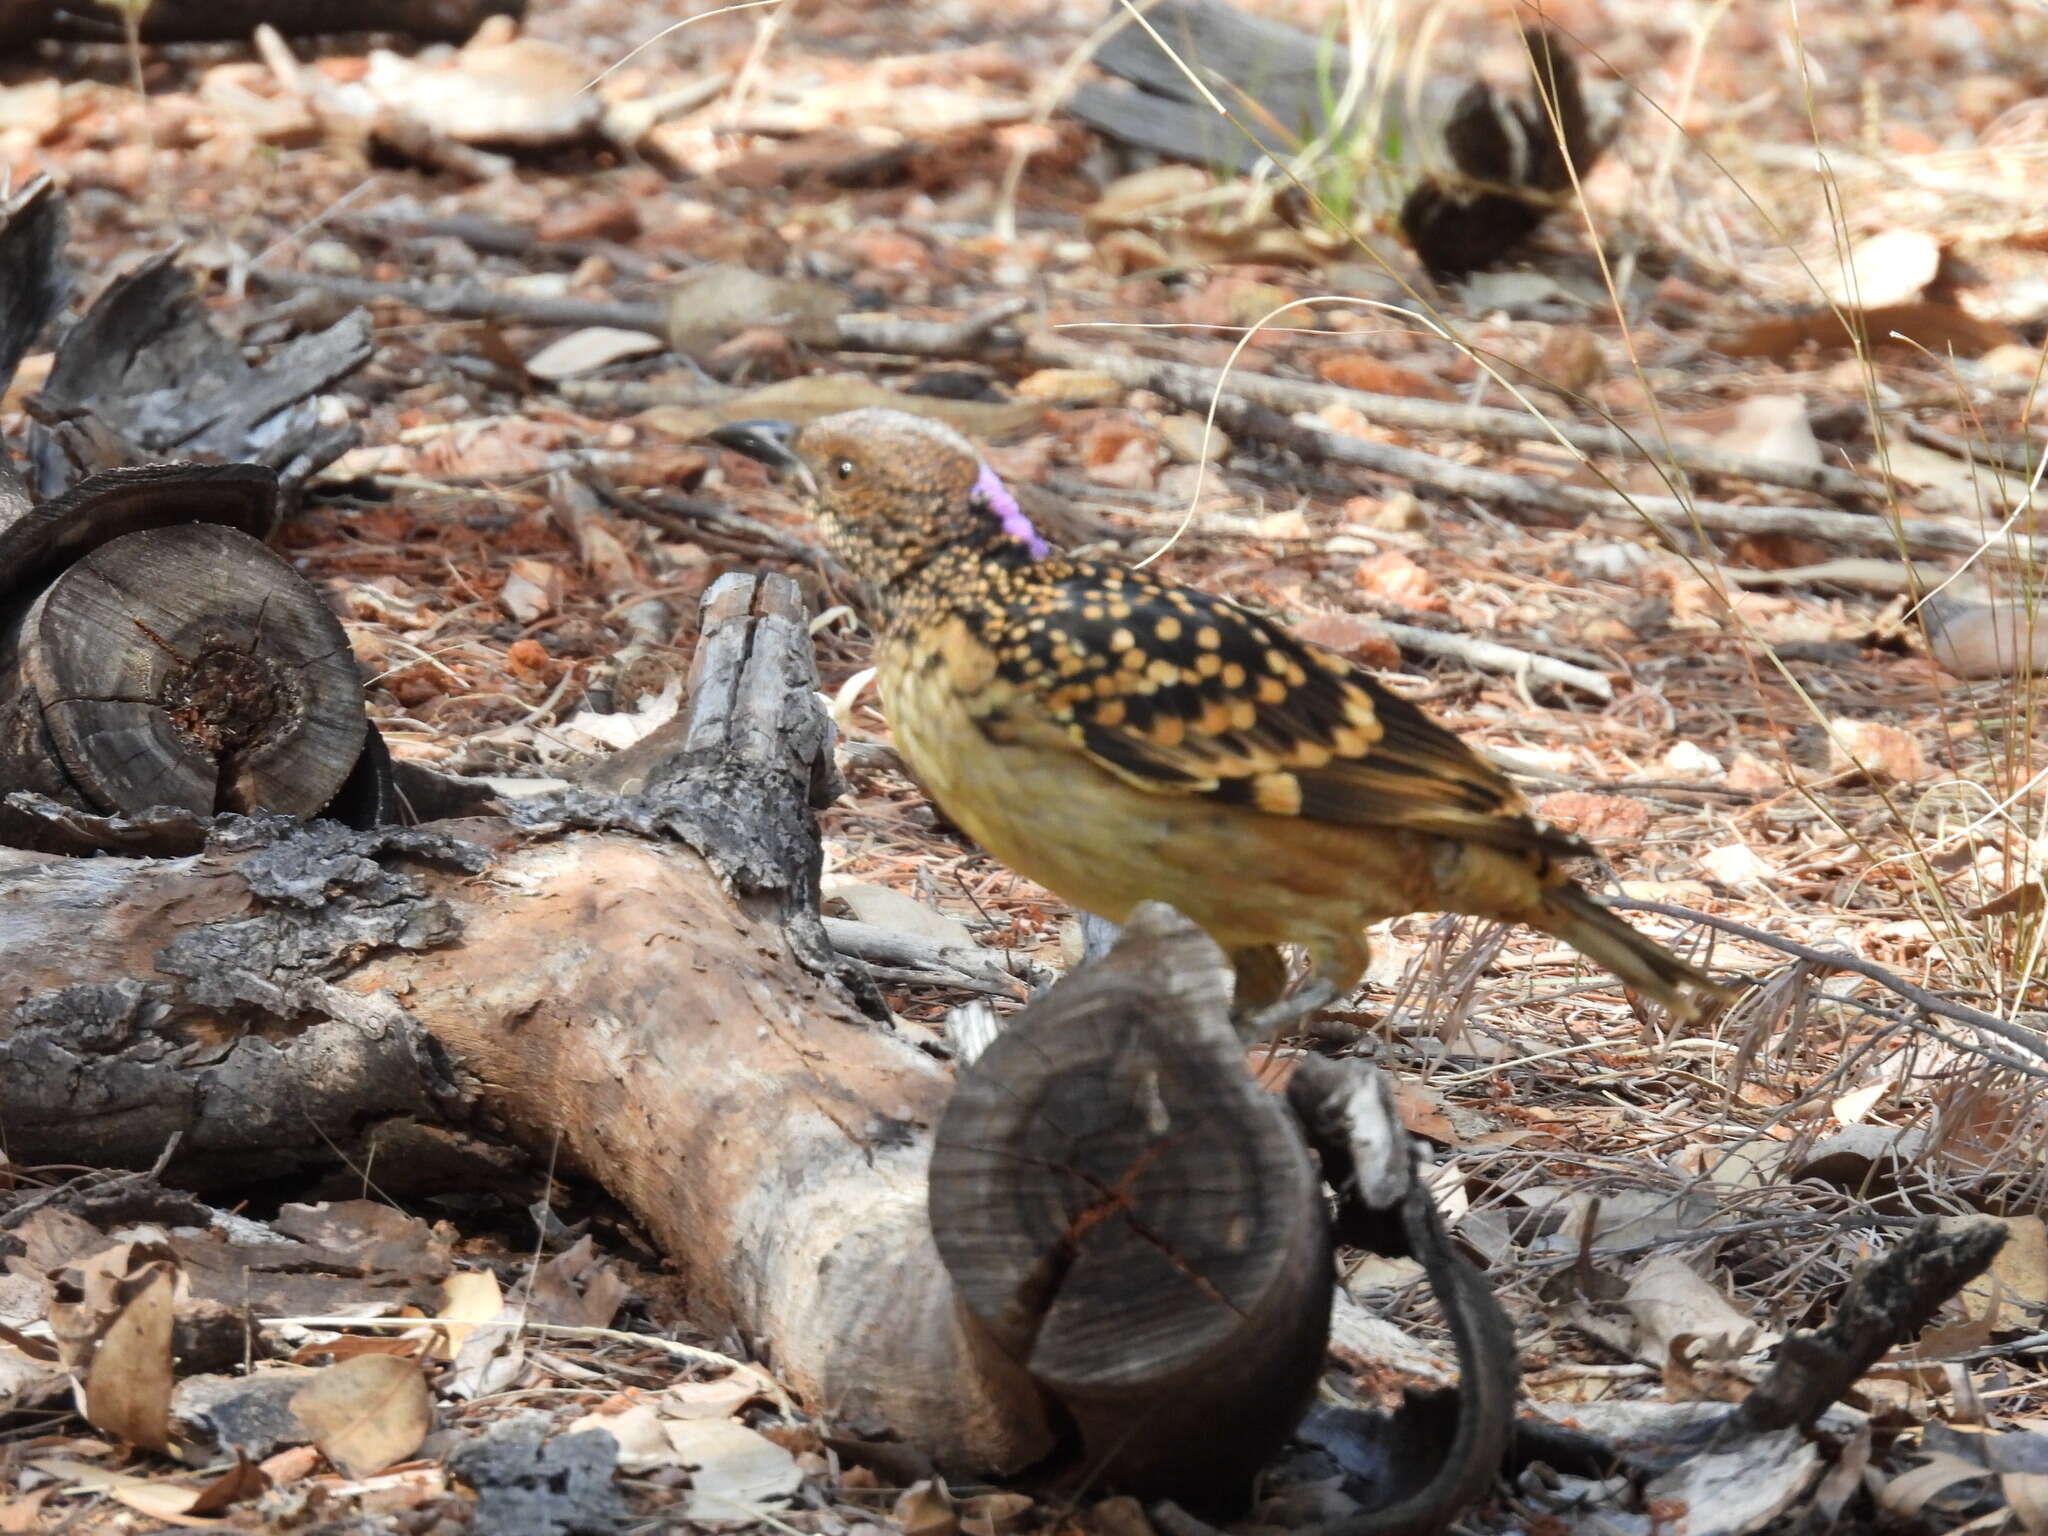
767,441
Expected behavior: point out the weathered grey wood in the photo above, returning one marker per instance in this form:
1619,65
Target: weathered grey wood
144,377
37,542
1890,1301
34,279
1133,1220
1443,1448
191,21
189,667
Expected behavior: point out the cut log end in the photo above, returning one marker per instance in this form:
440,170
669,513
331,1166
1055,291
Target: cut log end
1133,1220
186,667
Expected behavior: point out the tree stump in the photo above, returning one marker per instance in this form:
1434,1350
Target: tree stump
1136,1223
183,666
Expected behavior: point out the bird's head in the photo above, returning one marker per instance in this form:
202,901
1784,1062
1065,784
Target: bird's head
890,490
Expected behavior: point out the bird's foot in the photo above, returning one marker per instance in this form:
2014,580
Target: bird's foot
1276,1019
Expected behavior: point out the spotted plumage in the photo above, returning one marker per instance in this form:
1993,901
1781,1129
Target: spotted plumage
1119,738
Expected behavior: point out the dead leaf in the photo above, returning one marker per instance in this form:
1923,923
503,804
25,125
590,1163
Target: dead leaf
128,1385
244,1480
1742,1487
639,1430
1909,1493
577,1287
468,1297
1361,370
591,731
2026,1493
926,1509
1940,328
1424,1113
1360,639
1883,753
1851,1107
1670,1302
587,350
2015,1288
2027,899
532,590
733,1470
719,1399
1395,577
24,1514
159,1498
368,1413
490,1361
1137,200
995,1514
1893,266
290,1465
1973,481
518,91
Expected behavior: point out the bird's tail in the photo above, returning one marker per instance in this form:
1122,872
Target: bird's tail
1641,962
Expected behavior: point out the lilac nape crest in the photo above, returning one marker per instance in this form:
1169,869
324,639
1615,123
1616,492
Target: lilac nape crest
990,491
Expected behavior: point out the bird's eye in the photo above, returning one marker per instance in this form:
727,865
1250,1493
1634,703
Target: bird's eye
843,468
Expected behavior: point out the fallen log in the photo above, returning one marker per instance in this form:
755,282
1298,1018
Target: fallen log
637,988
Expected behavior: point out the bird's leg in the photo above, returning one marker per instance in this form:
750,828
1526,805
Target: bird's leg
1277,1019
1262,975
1335,966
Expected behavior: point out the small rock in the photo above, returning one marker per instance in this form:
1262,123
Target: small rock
1752,773
527,1485
332,258
1398,512
1191,439
250,1414
1735,866
1689,760
1883,753
2011,361
1291,525
1070,386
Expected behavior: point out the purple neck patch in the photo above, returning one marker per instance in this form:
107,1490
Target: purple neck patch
993,494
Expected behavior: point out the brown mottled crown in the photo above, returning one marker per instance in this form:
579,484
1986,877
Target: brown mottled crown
894,489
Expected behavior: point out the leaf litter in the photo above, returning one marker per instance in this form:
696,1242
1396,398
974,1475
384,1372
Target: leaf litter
1703,1193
